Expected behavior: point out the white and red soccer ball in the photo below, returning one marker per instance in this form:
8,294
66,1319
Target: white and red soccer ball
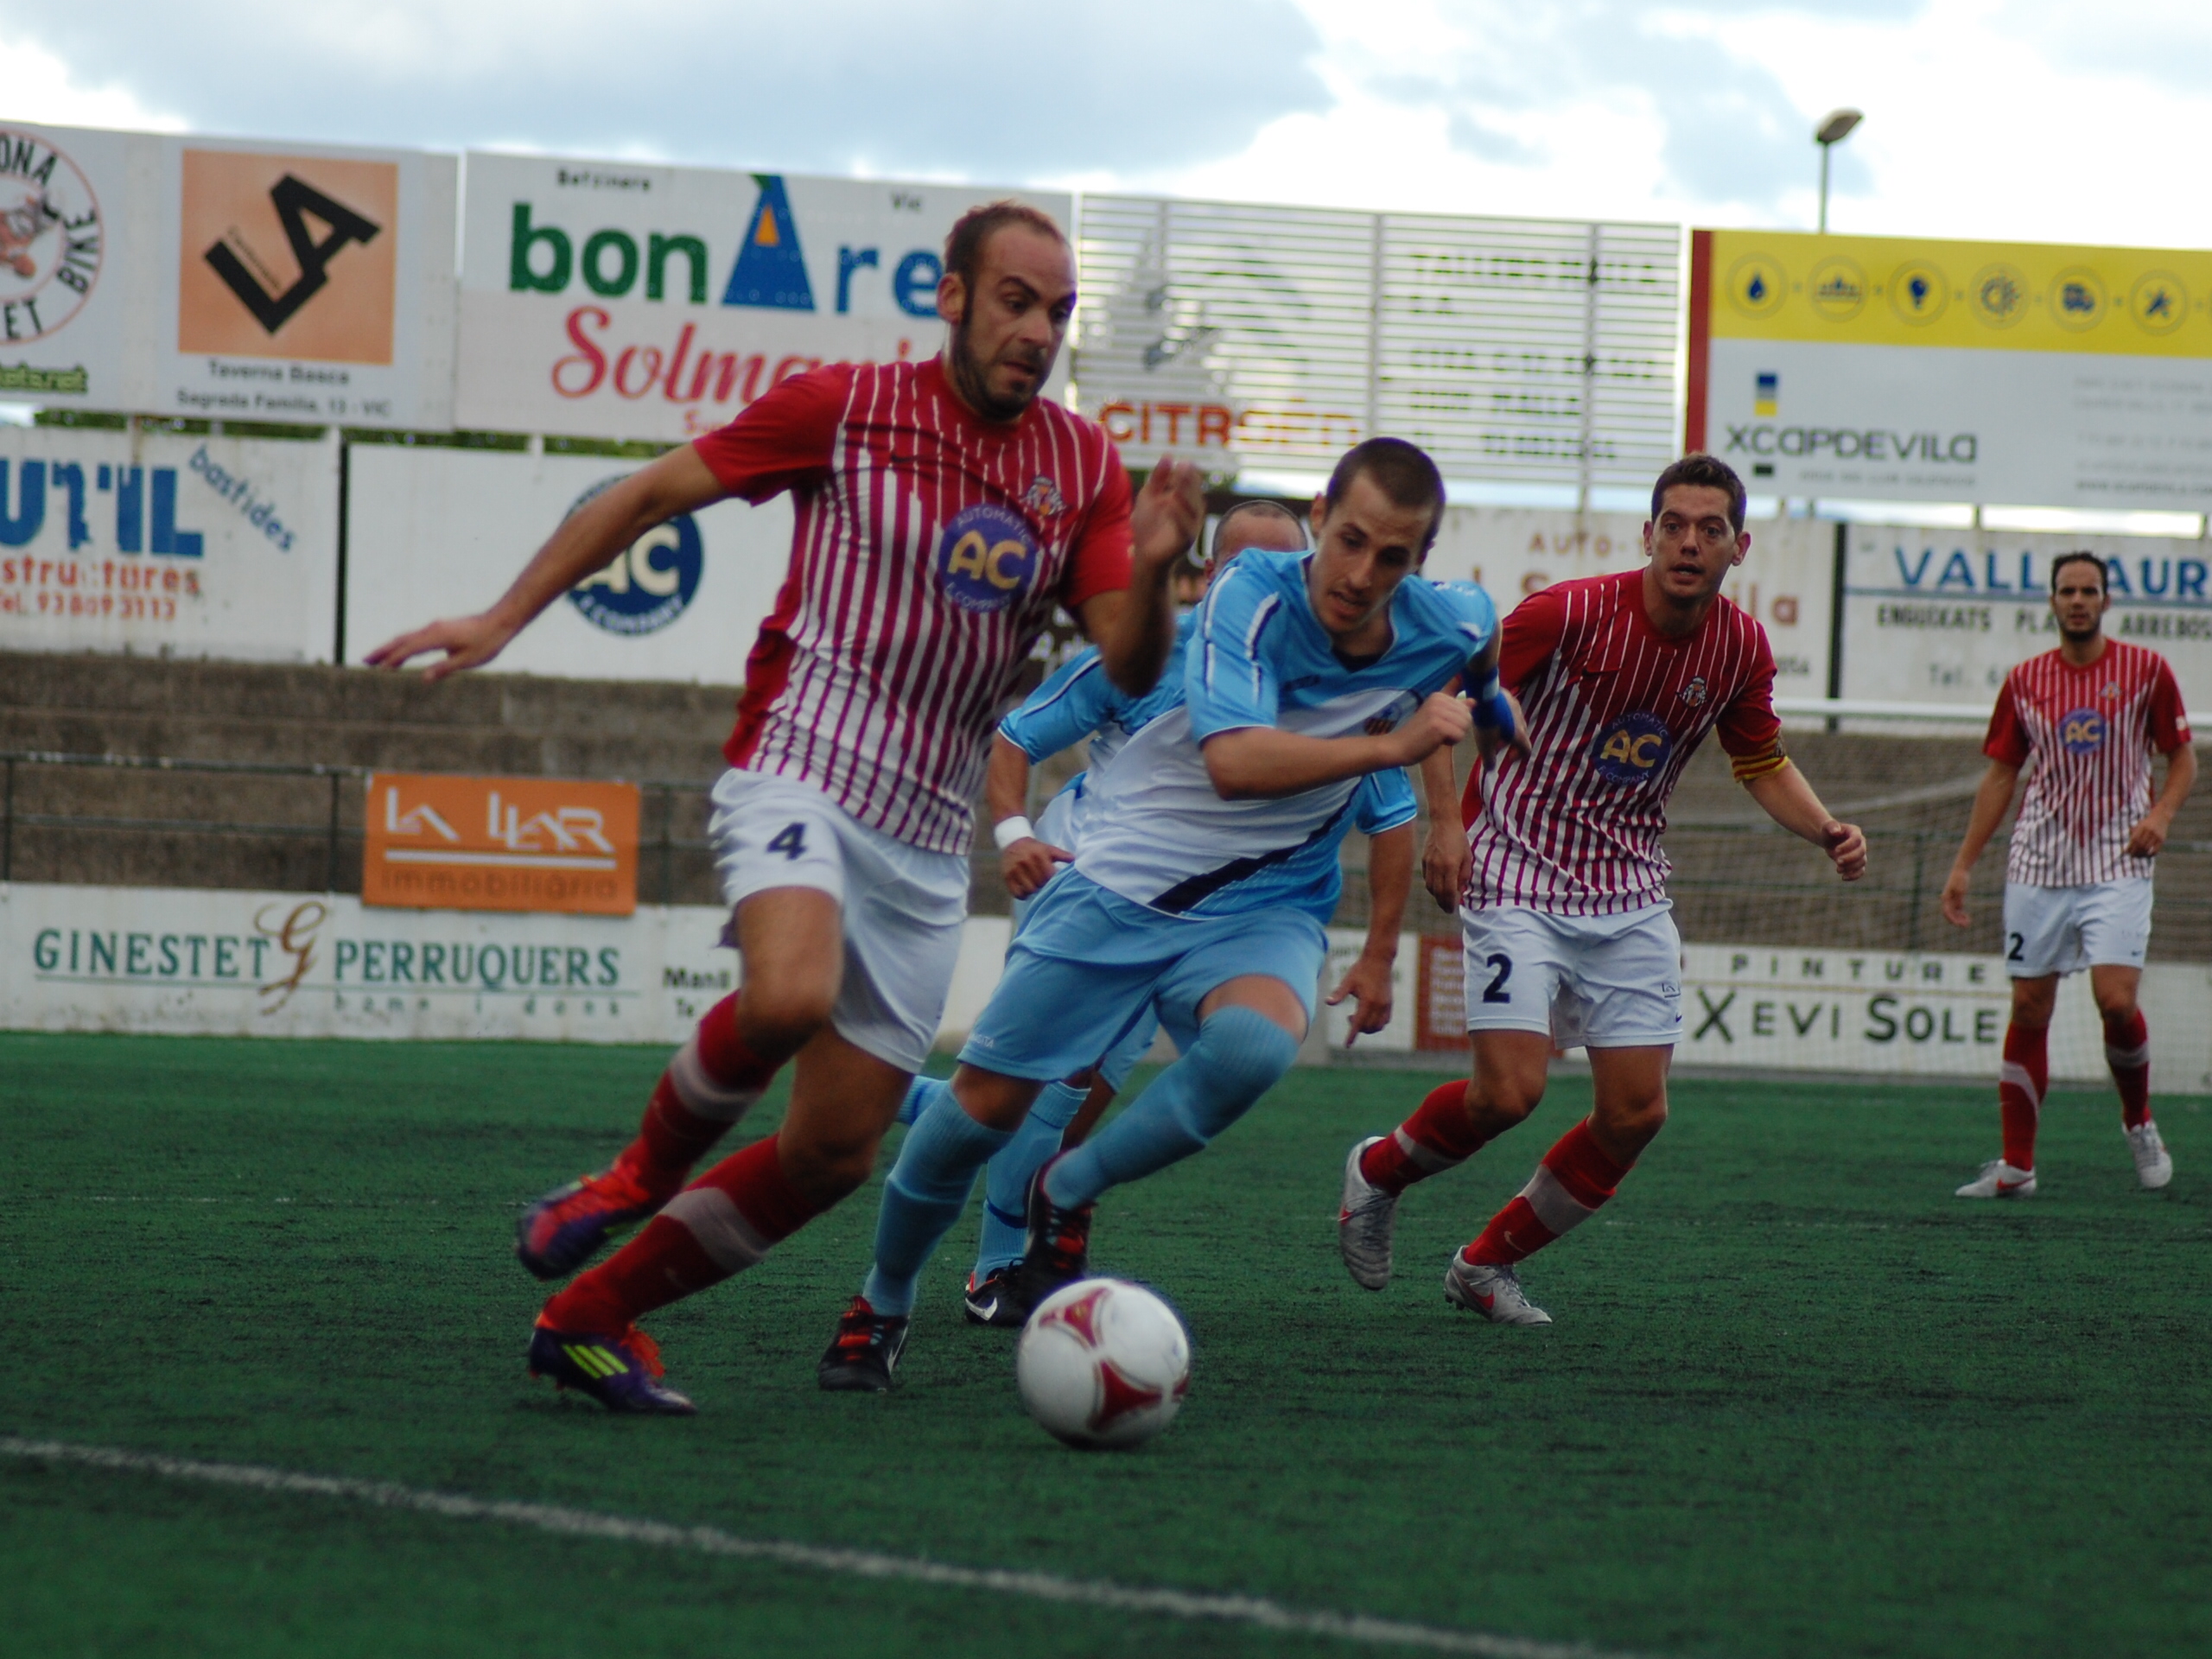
1103,1362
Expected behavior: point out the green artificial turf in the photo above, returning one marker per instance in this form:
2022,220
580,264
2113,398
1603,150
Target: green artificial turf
1798,1400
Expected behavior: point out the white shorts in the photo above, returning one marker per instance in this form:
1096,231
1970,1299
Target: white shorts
2064,930
1585,982
903,907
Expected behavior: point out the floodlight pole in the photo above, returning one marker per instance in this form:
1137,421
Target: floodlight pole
1830,133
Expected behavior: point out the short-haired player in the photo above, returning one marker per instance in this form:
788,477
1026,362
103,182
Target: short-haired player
1561,884
1077,703
943,510
2085,719
1202,881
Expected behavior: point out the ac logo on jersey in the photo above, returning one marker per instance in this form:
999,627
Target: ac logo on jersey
2081,732
985,558
1632,748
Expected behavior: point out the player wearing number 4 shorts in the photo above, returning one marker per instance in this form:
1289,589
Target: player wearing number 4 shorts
942,511
1560,883
2077,876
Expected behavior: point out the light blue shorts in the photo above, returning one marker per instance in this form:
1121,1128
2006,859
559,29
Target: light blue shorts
1089,968
1125,1056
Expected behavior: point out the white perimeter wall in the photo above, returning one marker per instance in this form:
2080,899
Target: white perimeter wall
215,962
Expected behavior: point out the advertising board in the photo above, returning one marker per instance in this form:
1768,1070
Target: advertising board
1869,1013
1786,581
435,532
1896,369
77,268
1940,616
620,299
162,545
1242,335
306,284
442,841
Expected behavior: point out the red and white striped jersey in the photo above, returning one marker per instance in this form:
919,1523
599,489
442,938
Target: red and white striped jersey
2090,732
928,553
1615,711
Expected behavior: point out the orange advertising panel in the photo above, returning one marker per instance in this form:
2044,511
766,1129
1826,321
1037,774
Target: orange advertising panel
437,842
288,256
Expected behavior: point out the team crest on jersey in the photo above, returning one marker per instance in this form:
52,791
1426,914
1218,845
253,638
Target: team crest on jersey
2081,732
1632,748
985,558
1377,725
1043,499
1693,693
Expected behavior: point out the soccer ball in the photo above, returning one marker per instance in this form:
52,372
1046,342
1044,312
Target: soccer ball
1103,1362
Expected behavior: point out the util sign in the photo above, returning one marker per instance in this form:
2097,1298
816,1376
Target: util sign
444,842
620,299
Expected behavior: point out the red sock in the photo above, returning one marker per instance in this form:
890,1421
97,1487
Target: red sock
2128,1051
1437,1137
1574,1179
2022,1079
712,1082
719,1226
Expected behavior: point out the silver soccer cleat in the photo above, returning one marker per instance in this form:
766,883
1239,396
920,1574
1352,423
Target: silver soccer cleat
2154,1166
1494,1293
1364,1223
1999,1180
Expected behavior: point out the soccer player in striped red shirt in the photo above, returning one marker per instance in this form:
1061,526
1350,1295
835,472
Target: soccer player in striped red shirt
2087,716
943,510
1562,886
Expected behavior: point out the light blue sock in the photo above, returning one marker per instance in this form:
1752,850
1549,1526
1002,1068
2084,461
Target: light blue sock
1006,1188
1239,1056
920,1093
927,1191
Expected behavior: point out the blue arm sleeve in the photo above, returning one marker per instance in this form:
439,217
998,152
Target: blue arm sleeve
1228,678
1384,801
1073,702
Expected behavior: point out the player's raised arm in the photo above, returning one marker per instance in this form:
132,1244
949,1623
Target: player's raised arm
588,539
1135,627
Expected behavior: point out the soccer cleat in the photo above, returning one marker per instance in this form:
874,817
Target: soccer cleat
1999,1180
1056,1252
863,1355
2154,1166
1365,1223
622,1373
570,1224
987,1301
1494,1293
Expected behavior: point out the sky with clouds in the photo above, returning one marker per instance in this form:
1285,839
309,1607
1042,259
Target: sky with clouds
2022,119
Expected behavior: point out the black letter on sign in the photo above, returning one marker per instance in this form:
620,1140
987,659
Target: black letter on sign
294,200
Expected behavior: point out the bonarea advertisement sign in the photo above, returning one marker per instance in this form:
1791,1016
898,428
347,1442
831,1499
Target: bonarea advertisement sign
610,299
1943,615
1786,581
1905,370
439,532
164,545
309,285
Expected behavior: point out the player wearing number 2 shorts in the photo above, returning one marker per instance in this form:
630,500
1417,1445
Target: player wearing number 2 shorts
1562,886
2086,718
942,511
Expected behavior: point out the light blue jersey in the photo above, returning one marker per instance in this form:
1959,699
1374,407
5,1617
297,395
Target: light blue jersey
1156,832
1077,700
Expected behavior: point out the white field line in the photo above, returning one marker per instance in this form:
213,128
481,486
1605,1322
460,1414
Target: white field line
1256,1612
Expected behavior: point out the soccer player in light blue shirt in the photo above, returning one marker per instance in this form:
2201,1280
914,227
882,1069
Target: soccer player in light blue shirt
1204,877
1077,701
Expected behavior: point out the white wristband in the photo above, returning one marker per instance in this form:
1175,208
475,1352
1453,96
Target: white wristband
1007,831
